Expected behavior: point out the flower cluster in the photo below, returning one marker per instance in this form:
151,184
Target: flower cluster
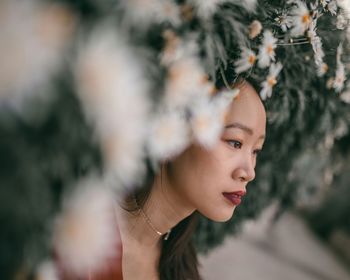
298,22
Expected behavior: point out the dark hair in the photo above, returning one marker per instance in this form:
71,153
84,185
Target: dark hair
178,259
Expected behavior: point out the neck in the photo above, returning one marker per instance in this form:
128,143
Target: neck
163,210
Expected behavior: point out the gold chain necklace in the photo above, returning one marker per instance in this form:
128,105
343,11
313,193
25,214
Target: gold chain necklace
148,221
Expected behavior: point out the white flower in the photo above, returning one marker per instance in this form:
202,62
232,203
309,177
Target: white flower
176,49
85,235
208,117
332,7
342,21
345,5
33,39
47,271
267,49
255,29
113,90
316,43
338,83
324,3
206,122
206,9
322,69
300,17
284,21
168,135
186,80
270,81
145,12
246,61
345,96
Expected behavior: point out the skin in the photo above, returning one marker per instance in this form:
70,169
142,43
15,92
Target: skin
196,180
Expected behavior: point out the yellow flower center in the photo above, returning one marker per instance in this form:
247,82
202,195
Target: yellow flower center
251,59
306,19
269,49
272,81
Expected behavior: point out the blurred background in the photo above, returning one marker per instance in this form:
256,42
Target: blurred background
80,80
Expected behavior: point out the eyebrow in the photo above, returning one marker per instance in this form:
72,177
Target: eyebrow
242,127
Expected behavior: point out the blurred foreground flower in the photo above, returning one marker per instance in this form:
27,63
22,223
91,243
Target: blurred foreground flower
113,91
33,38
86,234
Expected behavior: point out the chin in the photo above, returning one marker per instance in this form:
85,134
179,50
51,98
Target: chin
222,216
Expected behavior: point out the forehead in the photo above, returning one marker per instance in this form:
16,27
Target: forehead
248,110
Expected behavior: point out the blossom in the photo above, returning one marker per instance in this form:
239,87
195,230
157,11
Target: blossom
145,12
206,9
270,81
113,91
322,69
316,43
345,96
300,18
168,135
31,50
85,235
342,21
254,29
332,7
267,49
338,83
176,49
185,82
284,21
246,61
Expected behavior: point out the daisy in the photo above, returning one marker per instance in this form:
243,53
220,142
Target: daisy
270,81
246,61
338,83
284,21
116,105
186,80
255,29
316,43
300,18
267,49
168,136
206,123
85,235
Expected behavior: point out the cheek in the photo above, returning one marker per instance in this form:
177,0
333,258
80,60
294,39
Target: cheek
200,177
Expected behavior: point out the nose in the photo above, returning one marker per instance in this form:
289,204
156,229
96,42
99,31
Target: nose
245,170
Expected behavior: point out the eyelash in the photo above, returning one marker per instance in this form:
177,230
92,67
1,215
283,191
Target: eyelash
255,152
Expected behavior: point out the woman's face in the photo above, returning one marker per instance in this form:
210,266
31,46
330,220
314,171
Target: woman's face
213,181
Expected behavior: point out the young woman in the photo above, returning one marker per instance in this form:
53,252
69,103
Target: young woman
211,182
157,221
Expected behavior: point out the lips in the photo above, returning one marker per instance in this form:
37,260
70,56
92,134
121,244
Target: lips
234,197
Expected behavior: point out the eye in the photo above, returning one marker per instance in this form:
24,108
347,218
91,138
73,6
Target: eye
234,143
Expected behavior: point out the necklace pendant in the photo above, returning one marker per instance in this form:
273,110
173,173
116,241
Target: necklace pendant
167,235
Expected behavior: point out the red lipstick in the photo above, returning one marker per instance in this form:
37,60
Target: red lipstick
234,197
